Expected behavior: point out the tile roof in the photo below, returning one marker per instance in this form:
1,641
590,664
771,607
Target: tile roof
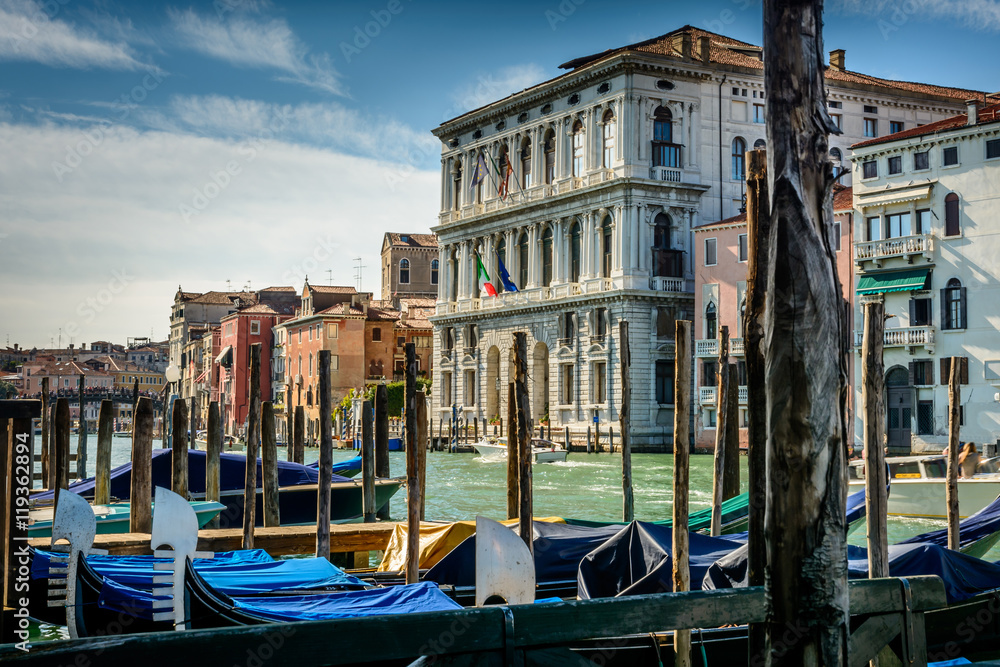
222,298
333,289
280,289
382,315
417,302
413,240
989,114
415,323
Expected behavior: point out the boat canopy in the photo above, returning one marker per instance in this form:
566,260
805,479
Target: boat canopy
893,281
982,525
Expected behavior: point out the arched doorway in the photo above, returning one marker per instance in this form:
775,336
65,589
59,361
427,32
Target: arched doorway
492,382
539,381
899,407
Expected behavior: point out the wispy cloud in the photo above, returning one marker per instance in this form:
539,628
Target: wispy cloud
257,42
495,85
974,14
30,31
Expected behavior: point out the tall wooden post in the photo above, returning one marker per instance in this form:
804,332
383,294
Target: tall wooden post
721,426
290,431
61,453
102,472
758,231
81,441
141,491
367,462
46,445
300,434
873,418
213,450
423,434
135,397
805,349
253,447
624,362
193,423
16,425
524,510
954,441
731,469
413,498
512,452
269,465
382,440
682,413
51,480
325,455
179,447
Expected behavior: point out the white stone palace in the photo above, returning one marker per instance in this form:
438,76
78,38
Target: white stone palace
613,164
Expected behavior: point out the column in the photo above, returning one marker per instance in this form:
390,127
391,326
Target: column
445,181
534,254
620,127
635,216
693,148
616,240
644,240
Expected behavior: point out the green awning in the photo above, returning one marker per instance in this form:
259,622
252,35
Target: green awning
894,281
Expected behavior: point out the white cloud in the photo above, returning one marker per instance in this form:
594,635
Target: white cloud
975,14
492,86
246,41
33,32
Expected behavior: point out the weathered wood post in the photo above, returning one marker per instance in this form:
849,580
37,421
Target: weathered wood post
873,418
590,442
624,362
367,462
81,442
566,437
61,457
46,444
682,412
179,450
300,434
423,435
16,464
475,430
193,423
805,352
954,441
141,490
382,440
102,472
721,425
50,481
269,465
524,510
413,498
290,431
611,439
213,450
758,231
325,455
512,452
253,447
731,469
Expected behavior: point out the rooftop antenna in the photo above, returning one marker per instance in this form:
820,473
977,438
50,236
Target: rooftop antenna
358,270
229,285
329,275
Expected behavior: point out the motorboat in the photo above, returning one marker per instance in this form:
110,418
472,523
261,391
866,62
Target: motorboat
113,517
917,487
543,451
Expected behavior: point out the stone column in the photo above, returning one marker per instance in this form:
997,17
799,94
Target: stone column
617,255
445,180
534,253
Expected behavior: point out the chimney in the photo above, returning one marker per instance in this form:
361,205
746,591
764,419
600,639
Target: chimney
972,109
686,46
837,59
704,48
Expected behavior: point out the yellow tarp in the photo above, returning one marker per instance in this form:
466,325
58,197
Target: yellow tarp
436,540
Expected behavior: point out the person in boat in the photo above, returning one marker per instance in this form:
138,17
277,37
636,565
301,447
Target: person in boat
968,460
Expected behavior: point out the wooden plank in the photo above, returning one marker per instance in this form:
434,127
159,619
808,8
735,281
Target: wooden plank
954,440
413,501
213,450
20,408
525,511
102,471
269,464
322,531
868,639
179,449
721,422
367,462
141,485
512,460
873,420
682,412
61,452
624,364
253,448
731,467
382,441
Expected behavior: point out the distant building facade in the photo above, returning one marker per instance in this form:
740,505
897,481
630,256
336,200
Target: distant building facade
410,266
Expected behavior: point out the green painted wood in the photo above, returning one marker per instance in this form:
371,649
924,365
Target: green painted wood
867,641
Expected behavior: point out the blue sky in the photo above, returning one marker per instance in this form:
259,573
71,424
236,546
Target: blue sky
146,145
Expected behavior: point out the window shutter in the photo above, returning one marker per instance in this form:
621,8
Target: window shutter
963,375
912,364
964,310
913,312
945,370
944,317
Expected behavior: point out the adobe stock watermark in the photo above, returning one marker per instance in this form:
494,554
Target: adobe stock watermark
220,179
727,16
901,13
88,309
321,253
42,12
370,30
562,12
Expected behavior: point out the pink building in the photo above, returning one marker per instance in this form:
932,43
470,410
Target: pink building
721,253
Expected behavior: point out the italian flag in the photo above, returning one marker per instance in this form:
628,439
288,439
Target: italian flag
484,279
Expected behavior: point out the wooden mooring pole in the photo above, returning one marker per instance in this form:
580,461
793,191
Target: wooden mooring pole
193,423
253,448
367,462
873,418
61,453
382,440
269,465
325,455
624,363
300,434
682,411
179,450
524,453
290,433
731,469
512,452
213,451
423,435
46,444
721,428
102,471
141,491
805,351
954,441
81,441
413,499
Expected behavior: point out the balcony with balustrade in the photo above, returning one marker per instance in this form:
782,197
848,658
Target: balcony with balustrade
526,297
706,395
908,247
902,337
709,347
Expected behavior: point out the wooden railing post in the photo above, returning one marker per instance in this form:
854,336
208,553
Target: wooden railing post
269,465
873,418
367,462
179,450
300,434
325,455
253,447
954,442
624,362
682,411
213,450
382,440
102,472
721,429
141,491
81,441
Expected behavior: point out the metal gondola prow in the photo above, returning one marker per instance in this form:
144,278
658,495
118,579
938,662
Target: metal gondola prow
505,569
75,523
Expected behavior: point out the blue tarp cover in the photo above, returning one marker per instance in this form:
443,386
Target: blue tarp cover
347,468
425,596
979,526
232,475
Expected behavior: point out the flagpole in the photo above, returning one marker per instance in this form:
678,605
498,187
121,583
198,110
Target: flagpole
497,167
487,153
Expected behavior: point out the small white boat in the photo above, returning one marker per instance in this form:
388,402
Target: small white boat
228,441
543,451
917,487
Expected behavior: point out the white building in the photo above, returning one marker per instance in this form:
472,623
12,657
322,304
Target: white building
927,205
613,164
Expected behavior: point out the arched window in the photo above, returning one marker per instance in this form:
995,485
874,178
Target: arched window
502,255
577,149
760,143
404,270
667,262
665,152
547,257
952,227
526,163
456,195
739,148
953,311
574,253
836,155
606,247
897,377
522,261
608,142
550,157
711,321
434,272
